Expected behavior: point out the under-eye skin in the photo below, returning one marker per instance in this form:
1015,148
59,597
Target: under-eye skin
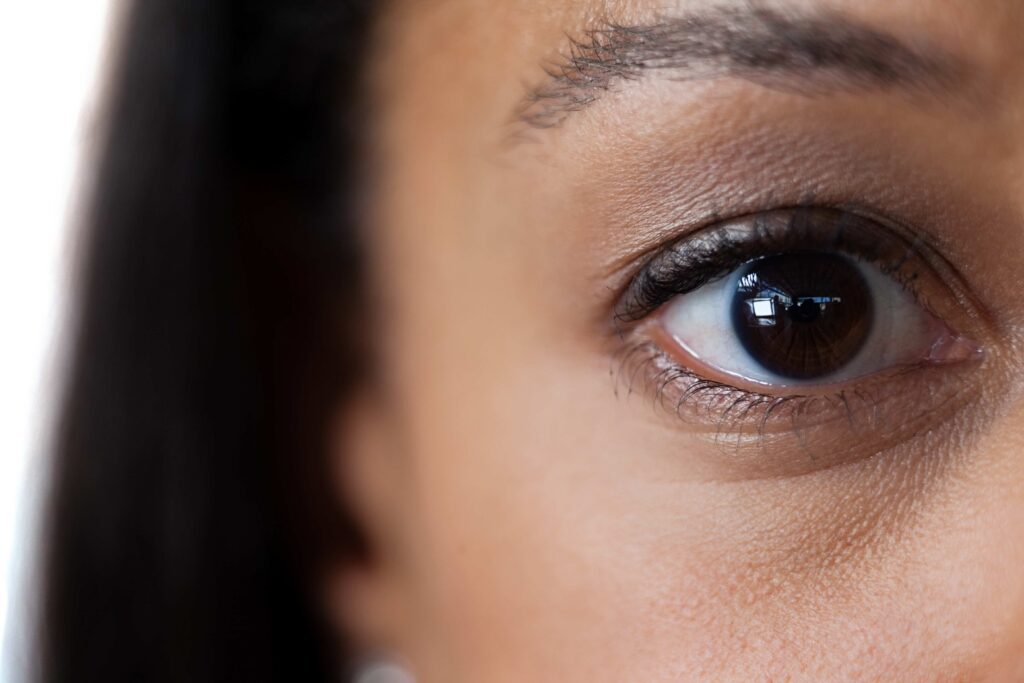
803,331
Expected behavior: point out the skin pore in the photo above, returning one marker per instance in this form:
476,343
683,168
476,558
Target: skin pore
548,497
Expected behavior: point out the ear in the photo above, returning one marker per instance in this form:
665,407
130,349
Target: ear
366,597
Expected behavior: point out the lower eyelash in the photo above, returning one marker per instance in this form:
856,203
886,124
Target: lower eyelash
681,391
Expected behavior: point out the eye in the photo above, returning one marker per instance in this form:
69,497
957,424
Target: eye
803,337
806,318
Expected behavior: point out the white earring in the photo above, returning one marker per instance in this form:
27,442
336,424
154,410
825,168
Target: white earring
383,671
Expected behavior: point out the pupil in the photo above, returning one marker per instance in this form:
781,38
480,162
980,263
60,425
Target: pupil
804,311
802,315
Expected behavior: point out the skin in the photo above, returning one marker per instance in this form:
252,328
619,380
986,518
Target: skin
538,517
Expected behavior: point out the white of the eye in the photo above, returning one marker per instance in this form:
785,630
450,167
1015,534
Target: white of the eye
701,323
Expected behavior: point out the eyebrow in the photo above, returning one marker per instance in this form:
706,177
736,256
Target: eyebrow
806,53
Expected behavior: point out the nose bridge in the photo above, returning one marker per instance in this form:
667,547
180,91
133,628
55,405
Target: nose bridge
999,495
1013,80
1015,144
1007,660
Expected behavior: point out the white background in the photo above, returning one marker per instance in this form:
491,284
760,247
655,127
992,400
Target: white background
51,54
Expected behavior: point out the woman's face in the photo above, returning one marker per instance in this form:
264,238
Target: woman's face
700,336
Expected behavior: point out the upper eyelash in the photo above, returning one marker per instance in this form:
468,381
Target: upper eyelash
700,258
655,285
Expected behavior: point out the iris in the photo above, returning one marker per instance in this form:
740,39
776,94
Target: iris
802,315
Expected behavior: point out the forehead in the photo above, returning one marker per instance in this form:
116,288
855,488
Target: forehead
485,30
500,17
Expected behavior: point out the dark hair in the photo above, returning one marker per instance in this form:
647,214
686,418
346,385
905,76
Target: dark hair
190,503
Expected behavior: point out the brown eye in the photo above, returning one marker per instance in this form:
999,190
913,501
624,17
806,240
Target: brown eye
804,318
802,315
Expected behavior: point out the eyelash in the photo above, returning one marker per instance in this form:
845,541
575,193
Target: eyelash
732,407
703,257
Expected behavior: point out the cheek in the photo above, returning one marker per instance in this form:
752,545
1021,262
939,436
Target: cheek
563,537
561,533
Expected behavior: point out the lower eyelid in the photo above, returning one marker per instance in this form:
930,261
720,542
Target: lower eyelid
757,435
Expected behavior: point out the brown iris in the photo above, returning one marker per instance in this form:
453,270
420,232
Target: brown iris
802,315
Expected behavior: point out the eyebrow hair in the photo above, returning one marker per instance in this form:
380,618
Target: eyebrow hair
807,53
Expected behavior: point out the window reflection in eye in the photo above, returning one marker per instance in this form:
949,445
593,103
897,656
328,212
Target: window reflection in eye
813,323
